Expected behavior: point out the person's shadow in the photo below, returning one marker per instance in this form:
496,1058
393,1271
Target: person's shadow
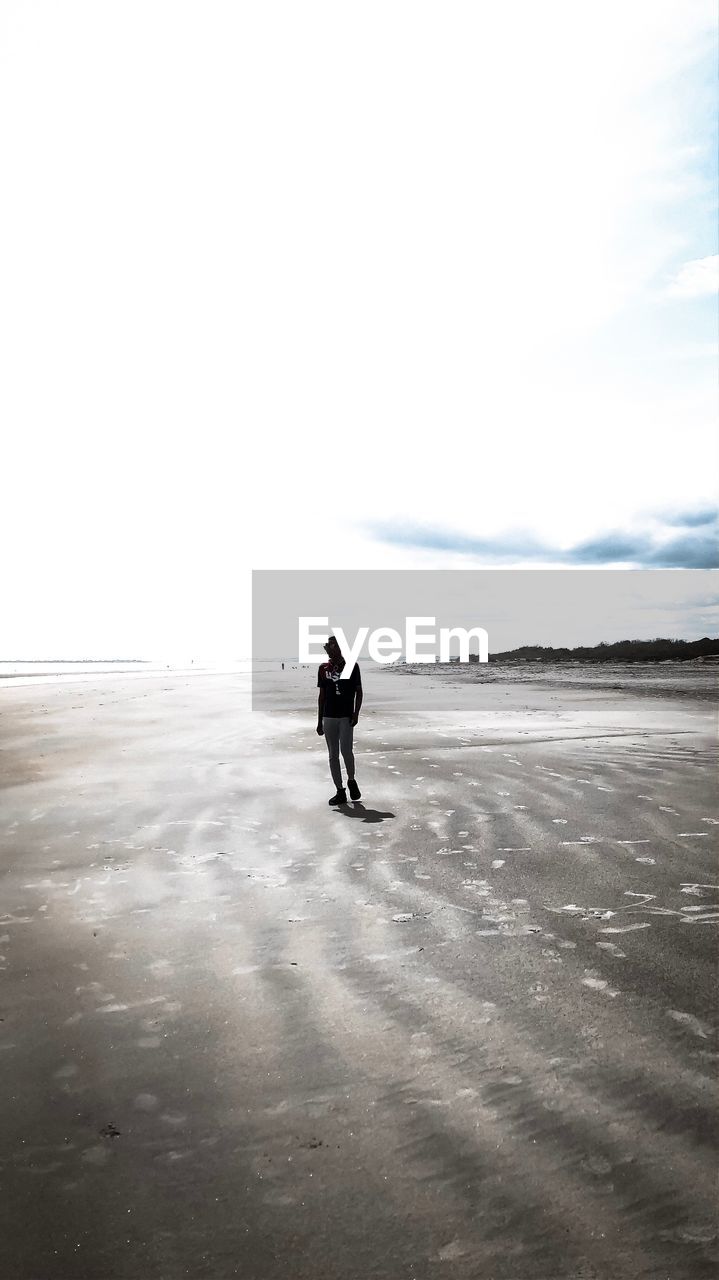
357,810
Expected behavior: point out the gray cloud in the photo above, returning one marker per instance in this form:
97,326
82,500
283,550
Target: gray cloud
691,519
693,544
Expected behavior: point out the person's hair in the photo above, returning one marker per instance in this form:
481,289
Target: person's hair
341,660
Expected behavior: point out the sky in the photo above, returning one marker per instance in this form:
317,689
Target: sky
316,286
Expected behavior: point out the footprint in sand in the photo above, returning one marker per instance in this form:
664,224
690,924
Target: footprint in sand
613,950
599,984
145,1102
627,928
65,1072
452,1252
94,1155
691,1023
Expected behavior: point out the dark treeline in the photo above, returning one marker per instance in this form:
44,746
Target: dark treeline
658,650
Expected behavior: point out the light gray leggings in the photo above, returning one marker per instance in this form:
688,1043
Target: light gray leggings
338,735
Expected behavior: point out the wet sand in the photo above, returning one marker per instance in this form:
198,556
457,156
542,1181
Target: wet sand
465,1028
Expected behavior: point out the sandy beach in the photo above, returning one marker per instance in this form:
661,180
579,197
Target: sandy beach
464,1028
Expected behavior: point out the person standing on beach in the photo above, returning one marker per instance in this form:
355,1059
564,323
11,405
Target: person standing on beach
338,708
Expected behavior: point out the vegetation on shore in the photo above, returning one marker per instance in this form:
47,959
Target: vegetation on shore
658,650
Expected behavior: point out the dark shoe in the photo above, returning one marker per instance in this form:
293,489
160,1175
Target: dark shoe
354,790
340,798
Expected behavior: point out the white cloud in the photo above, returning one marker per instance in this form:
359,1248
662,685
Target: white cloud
696,279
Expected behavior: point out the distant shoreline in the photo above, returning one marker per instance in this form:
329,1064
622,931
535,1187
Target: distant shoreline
695,679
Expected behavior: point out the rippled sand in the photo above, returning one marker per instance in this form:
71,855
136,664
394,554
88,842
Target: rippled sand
465,1028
